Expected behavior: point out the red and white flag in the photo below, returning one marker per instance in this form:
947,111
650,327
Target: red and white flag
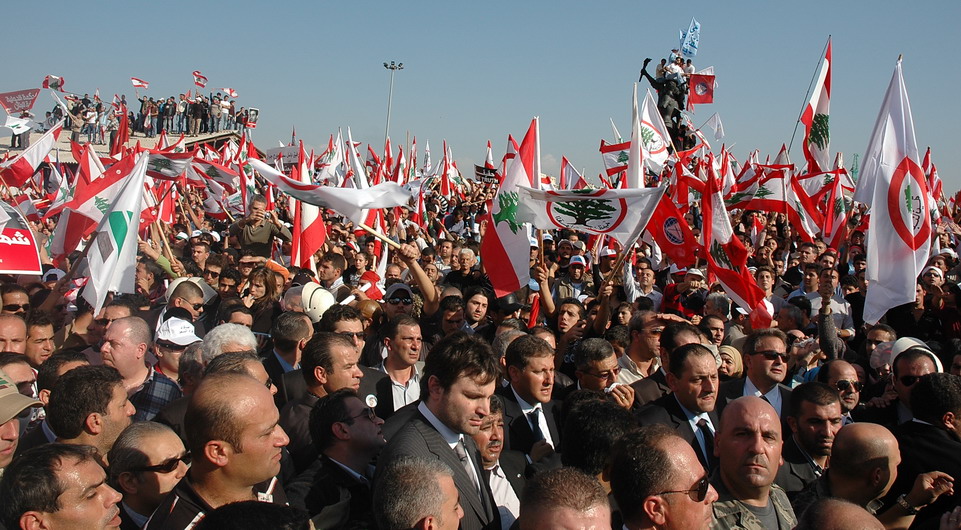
309,230
53,82
139,83
167,166
672,233
817,137
230,92
569,177
701,90
489,159
634,177
892,183
199,79
615,157
506,247
17,172
655,136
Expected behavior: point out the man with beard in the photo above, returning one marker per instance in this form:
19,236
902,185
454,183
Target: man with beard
505,468
476,302
748,446
814,416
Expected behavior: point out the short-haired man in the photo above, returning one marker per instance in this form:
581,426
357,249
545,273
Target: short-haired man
690,407
592,427
458,380
748,447
256,232
186,295
814,416
564,498
125,347
330,271
12,404
89,406
236,444
146,463
530,415
403,366
841,376
13,333
642,356
347,433
416,492
328,364
505,468
47,377
58,486
765,366
39,345
672,336
658,482
596,368
289,334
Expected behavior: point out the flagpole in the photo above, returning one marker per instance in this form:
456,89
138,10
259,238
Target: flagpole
390,242
808,93
10,194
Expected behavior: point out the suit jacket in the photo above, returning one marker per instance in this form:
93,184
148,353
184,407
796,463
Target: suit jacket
926,448
33,438
295,419
518,435
331,496
420,439
382,388
173,414
667,411
291,385
650,388
796,472
733,389
276,373
516,469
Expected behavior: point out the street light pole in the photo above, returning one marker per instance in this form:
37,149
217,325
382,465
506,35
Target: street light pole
393,67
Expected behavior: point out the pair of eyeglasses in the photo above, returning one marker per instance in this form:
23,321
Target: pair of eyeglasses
698,493
197,307
655,331
368,412
104,321
843,385
405,301
245,264
773,355
167,466
211,273
16,307
359,335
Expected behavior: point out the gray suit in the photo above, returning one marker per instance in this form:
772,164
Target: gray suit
420,439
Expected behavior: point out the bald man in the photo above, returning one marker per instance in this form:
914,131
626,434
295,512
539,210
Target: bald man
234,435
13,333
837,514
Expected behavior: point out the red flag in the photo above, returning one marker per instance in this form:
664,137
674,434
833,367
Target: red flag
309,230
199,79
672,233
701,89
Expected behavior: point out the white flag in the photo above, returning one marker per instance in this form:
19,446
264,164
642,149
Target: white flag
894,185
654,134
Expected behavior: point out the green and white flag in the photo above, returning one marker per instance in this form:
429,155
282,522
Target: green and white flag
112,258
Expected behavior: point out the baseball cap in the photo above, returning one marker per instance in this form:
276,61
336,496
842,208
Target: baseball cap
608,252
579,245
676,270
695,272
534,243
12,402
577,260
53,275
548,237
948,252
508,304
177,332
399,286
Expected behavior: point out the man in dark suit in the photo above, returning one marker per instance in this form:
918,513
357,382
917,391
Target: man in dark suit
765,364
290,334
674,335
814,416
336,487
402,366
689,408
330,363
529,413
505,470
458,381
596,368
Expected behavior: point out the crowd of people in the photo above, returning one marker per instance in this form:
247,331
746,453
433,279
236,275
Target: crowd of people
392,389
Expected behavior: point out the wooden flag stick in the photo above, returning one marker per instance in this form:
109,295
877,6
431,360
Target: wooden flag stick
390,242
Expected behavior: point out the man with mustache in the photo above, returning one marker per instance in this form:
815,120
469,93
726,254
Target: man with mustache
814,418
748,446
505,468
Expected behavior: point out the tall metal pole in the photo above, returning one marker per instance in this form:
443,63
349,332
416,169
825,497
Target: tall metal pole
393,67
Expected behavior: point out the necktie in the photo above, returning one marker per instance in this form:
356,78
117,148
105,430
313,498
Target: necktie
708,450
464,461
534,418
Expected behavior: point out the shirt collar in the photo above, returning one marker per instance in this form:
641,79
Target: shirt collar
692,417
773,395
452,438
526,407
287,367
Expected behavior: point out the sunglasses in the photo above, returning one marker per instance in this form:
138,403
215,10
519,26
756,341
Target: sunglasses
211,273
655,331
16,307
909,380
167,466
368,411
405,301
773,355
843,385
359,335
197,306
104,321
698,493
245,264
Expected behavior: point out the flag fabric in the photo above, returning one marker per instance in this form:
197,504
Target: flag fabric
18,245
331,163
113,252
727,257
619,214
935,187
309,230
836,212
691,39
350,203
569,178
714,122
895,187
139,83
17,171
17,125
672,233
634,178
655,136
506,246
230,92
701,89
615,157
817,137
199,79
167,166
53,82
489,158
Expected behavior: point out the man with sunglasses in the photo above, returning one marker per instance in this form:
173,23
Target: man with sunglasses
658,482
596,368
146,463
347,433
765,366
748,446
15,299
841,375
912,359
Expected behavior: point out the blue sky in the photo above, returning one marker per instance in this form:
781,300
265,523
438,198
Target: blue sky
477,71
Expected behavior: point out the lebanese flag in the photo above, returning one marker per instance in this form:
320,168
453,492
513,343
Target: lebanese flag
701,90
815,118
634,177
672,233
836,213
139,83
934,181
727,257
27,207
330,167
18,171
167,166
570,178
54,82
508,158
199,79
489,159
656,138
309,230
230,92
892,183
615,156
445,172
506,246
123,133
